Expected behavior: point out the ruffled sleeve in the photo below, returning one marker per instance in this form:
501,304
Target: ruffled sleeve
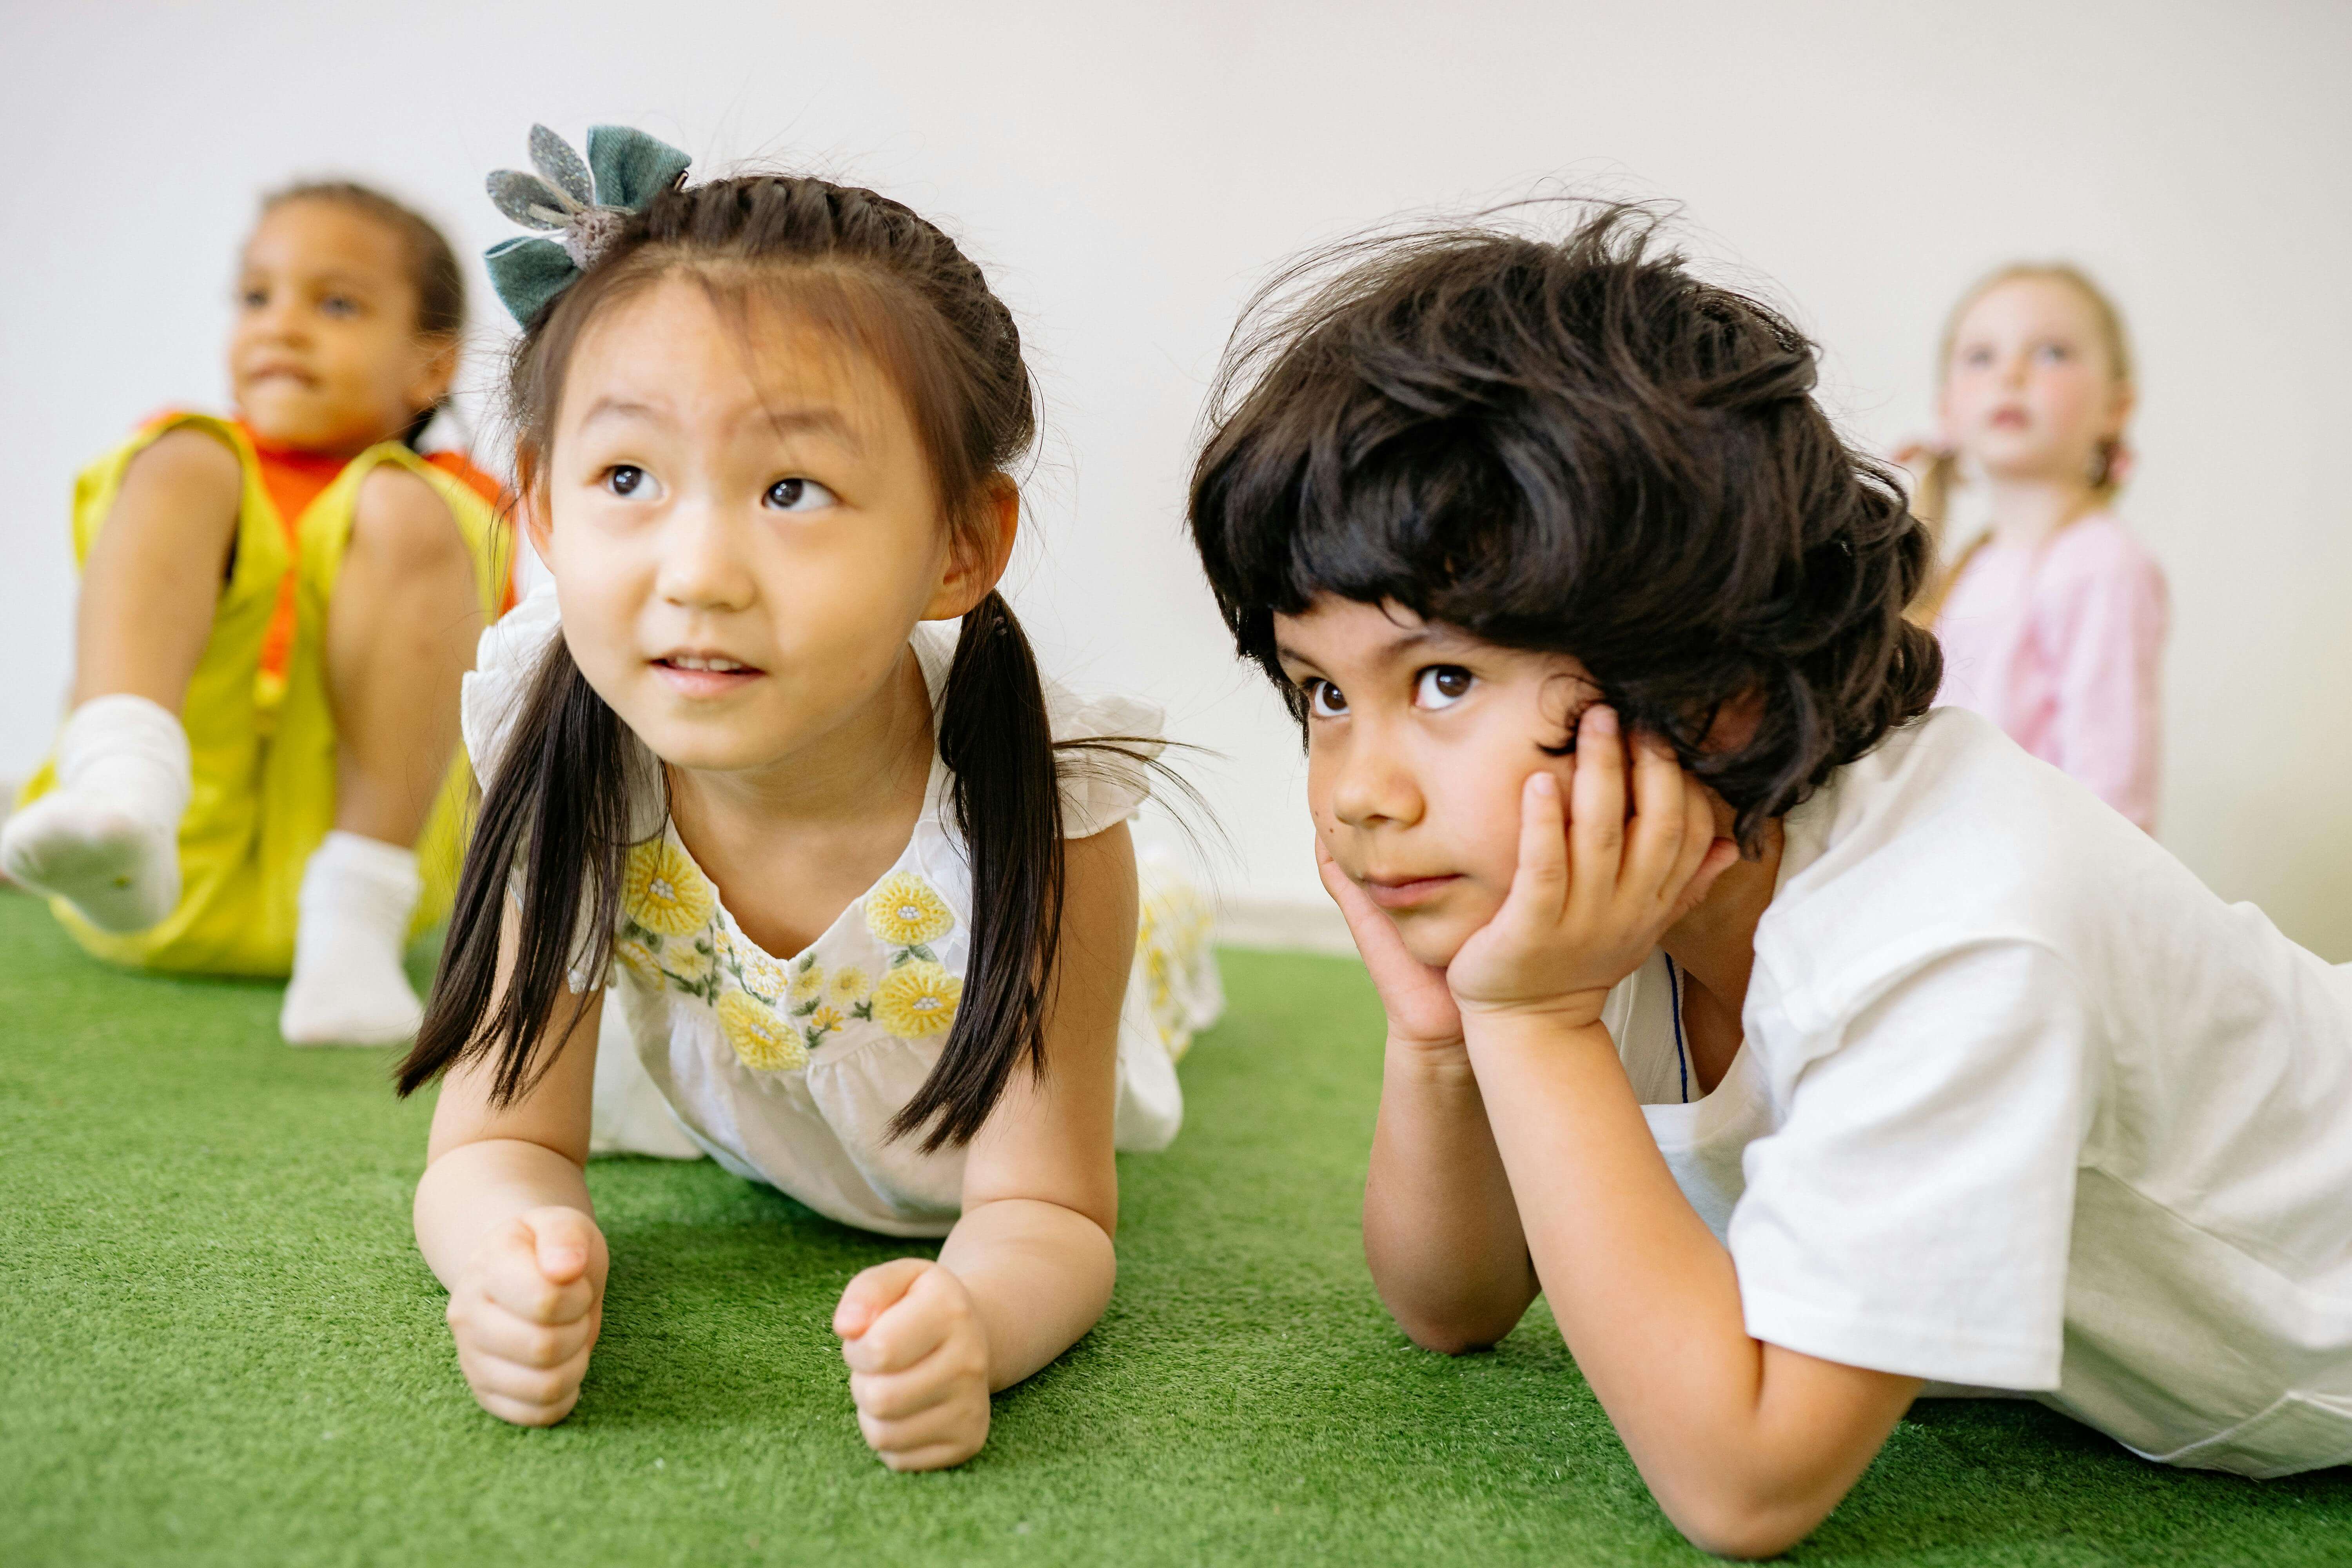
506,658
1104,785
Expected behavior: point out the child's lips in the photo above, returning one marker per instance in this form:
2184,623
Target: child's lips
694,677
292,375
1407,893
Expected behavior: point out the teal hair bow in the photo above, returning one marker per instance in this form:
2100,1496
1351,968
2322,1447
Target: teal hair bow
585,202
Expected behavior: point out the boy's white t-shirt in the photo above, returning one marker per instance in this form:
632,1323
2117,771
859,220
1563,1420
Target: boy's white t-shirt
2022,1105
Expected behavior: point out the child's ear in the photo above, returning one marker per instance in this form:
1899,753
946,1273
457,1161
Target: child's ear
1736,722
530,504
977,557
437,371
2120,403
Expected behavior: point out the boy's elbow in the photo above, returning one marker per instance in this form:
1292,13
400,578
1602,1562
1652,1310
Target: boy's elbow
1729,1521
1452,1332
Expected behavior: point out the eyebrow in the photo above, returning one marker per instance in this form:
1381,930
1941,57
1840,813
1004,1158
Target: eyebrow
1428,633
784,422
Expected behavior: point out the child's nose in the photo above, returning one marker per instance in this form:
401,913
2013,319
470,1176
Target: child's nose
1372,785
702,566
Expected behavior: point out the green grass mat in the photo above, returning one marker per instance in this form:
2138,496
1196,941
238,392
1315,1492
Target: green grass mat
217,1345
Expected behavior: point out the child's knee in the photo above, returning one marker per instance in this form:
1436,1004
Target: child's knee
402,527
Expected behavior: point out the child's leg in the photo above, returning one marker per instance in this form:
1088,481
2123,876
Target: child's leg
401,629
107,837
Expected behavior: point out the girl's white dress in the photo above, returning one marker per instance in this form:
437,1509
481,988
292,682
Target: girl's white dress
788,1069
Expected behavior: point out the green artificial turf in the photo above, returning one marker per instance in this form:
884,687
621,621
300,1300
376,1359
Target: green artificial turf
217,1345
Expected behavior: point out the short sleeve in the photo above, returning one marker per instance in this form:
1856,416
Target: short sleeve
1105,784
505,661
2110,678
1913,1213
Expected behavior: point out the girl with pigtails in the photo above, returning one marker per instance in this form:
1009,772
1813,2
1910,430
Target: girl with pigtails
862,890
2053,616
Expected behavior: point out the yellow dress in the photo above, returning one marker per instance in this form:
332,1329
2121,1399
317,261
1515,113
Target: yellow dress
261,733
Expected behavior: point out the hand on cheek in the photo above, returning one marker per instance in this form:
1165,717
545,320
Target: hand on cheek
1421,1013
918,1364
1595,886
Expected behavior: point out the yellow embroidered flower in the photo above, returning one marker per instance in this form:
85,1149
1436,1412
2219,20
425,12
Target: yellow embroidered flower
663,892
806,985
638,960
849,987
760,1037
760,973
688,960
824,1020
906,911
917,999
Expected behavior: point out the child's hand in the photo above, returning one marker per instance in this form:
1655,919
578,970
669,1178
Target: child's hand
1919,452
918,1364
1420,1010
1593,894
526,1311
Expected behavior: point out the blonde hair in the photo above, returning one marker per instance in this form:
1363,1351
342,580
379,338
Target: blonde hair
1931,499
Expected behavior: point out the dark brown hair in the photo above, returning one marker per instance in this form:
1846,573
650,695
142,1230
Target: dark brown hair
1573,445
431,266
888,284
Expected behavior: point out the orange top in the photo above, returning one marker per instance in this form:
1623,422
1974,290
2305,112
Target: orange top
294,479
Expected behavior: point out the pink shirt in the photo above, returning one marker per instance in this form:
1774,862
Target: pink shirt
2062,647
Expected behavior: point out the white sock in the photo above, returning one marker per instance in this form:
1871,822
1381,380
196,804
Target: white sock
348,988
107,839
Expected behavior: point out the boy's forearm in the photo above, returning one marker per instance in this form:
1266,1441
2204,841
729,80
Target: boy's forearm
1039,1276
1440,1233
475,1187
1745,1445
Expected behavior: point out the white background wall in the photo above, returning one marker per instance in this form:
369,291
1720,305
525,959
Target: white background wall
1126,173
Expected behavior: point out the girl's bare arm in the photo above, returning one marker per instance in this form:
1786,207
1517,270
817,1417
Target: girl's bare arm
503,1217
1029,1267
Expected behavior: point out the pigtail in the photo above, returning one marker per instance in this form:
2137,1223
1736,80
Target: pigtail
996,741
1931,504
557,810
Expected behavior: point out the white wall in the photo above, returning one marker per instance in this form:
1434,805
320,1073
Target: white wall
1126,173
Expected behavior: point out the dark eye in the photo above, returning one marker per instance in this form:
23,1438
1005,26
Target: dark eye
1325,700
1441,685
339,305
799,495
623,479
253,298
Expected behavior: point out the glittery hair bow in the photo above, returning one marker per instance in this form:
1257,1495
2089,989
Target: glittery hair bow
584,203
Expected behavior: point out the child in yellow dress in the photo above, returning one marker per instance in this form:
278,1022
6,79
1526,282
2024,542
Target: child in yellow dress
257,772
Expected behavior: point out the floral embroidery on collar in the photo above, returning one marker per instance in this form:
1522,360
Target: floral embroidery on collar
673,938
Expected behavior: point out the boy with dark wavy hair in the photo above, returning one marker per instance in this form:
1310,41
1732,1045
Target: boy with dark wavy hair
1803,1050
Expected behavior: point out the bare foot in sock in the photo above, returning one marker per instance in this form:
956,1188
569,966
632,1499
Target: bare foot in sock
348,988
121,871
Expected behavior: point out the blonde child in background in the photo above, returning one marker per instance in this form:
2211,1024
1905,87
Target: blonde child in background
2054,618
862,891
256,775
